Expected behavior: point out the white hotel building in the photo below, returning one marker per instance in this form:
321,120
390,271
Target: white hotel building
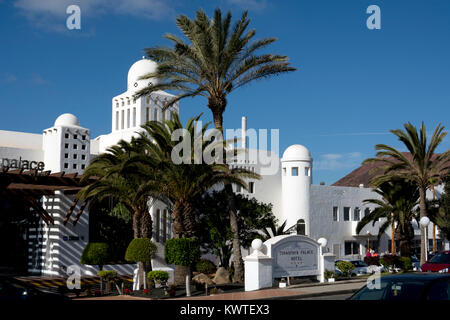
331,212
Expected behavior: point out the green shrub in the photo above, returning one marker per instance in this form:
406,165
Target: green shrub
205,266
406,263
95,253
140,250
328,274
158,276
345,267
107,274
182,251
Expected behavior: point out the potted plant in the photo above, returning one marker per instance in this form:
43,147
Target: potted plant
329,275
158,277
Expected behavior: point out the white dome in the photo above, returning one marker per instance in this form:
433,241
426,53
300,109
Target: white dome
138,69
296,152
67,120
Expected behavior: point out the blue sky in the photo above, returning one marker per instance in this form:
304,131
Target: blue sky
352,85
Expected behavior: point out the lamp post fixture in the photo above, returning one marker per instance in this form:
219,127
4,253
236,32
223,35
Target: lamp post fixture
424,222
368,241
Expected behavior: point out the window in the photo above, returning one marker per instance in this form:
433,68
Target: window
356,214
83,147
75,136
66,155
335,214
346,213
157,224
117,120
164,226
134,117
122,123
66,135
128,118
75,156
147,114
74,165
83,157
83,166
83,137
301,227
294,171
128,101
366,212
307,172
284,171
123,103
351,247
251,187
75,146
238,188
155,115
66,145
66,165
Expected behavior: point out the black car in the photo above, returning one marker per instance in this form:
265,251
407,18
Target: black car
410,286
14,290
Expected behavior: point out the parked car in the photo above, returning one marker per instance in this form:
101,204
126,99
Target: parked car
361,268
439,262
14,290
410,286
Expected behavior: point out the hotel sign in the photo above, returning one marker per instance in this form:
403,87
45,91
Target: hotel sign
295,256
22,164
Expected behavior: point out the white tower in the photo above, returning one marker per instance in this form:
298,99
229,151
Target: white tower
296,186
66,145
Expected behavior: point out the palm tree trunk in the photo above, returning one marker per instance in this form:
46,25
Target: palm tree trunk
423,213
217,105
136,224
177,218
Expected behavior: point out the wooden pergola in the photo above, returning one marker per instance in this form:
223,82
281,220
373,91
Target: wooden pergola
29,186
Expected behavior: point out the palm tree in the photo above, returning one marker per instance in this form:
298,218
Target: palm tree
217,59
422,166
396,206
273,230
109,183
179,184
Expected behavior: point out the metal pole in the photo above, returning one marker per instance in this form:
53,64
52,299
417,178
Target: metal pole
434,226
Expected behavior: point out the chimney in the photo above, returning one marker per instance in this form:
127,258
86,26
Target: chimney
244,133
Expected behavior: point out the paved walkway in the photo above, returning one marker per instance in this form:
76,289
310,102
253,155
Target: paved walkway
293,292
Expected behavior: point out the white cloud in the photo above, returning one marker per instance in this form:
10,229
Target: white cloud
39,80
8,77
51,14
334,161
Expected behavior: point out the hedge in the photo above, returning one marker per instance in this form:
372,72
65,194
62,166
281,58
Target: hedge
95,253
182,251
205,266
158,276
140,250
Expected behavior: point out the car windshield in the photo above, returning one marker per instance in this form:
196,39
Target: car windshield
359,263
392,290
442,257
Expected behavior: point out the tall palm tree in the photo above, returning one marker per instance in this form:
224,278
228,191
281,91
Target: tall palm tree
217,59
181,183
396,206
423,167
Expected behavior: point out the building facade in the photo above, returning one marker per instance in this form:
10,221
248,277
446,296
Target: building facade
318,211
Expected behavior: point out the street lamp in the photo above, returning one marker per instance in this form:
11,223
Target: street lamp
368,241
424,222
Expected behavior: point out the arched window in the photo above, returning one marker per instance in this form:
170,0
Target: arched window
301,227
164,226
157,224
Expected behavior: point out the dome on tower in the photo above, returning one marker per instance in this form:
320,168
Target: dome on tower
67,120
138,69
296,152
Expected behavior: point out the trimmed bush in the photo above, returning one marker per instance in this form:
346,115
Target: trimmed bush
345,267
140,250
182,251
95,253
158,276
205,266
406,263
328,274
372,261
391,261
107,274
